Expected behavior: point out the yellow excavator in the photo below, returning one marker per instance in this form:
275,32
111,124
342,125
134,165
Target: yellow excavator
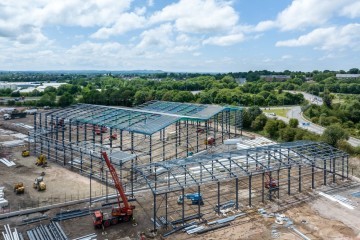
19,188
41,160
25,153
39,184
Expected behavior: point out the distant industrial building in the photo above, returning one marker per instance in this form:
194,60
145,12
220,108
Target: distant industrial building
347,76
39,87
5,85
278,78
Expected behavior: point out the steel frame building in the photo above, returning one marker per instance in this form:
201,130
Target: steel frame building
160,146
289,163
154,131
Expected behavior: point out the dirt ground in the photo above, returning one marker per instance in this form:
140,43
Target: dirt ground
62,185
318,219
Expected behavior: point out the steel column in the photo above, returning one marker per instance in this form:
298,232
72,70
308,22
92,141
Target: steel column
263,187
166,209
163,146
218,197
313,176
206,134
278,182
150,149
187,138
334,170
77,133
132,142
154,212
325,172
107,186
199,202
347,167
110,138
176,139
237,193
222,127
183,206
289,183
299,178
197,136
63,144
250,176
342,168
121,140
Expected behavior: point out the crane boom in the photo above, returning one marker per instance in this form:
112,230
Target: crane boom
116,180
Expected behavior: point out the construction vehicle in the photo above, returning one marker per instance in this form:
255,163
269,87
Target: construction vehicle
98,130
210,141
195,198
41,160
25,153
14,114
119,213
39,184
19,188
271,184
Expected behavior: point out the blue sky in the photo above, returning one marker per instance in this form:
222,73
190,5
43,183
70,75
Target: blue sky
183,35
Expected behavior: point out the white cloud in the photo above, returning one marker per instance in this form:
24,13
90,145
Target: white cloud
225,40
329,38
23,21
125,23
284,57
156,37
79,13
198,16
150,3
352,10
304,13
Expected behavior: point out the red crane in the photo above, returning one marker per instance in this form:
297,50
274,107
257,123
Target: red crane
118,214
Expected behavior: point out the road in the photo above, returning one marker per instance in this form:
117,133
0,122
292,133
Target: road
295,112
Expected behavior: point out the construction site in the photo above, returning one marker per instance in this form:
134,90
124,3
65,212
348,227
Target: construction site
166,170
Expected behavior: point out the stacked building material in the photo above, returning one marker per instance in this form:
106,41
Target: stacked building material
341,200
228,219
53,231
187,218
87,237
11,235
212,228
3,201
71,214
33,220
8,163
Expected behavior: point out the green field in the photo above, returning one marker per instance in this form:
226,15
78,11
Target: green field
278,111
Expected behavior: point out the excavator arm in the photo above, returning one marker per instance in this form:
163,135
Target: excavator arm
117,182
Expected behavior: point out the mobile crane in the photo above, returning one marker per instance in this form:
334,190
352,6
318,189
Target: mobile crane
118,214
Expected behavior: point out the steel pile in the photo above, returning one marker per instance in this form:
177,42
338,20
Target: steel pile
9,235
187,218
70,214
87,237
225,220
33,220
8,163
53,231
